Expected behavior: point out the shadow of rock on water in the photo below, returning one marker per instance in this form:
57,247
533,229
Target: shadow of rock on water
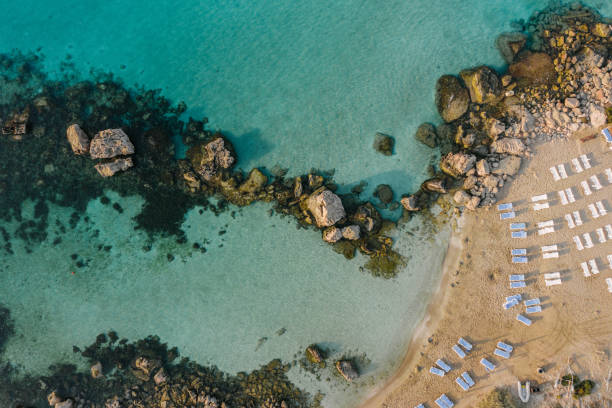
250,147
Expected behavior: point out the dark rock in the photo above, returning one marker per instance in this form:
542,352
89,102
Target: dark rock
332,234
384,144
510,44
452,99
110,143
482,83
426,134
208,158
534,68
435,185
347,370
384,193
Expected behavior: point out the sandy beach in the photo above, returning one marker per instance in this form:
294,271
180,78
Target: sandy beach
573,333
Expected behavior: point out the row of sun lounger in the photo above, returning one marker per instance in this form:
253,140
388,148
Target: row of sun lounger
603,234
558,172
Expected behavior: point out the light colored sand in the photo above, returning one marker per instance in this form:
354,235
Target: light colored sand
575,326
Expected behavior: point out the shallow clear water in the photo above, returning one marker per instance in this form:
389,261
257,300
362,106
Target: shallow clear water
296,84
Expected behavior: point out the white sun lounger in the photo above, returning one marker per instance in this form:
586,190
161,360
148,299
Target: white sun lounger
600,235
570,221
595,182
541,197
577,218
585,161
443,365
570,195
585,269
610,260
577,166
609,283
588,243
549,248
578,242
448,402
552,275
510,304
501,353
562,172
538,207
563,197
517,285
519,251
586,188
518,226
466,344
594,212
545,231
594,267
532,302
553,282
507,215
506,347
609,174
519,234
467,378
504,206
555,173
520,259
550,255
516,278
489,366
437,371
609,231
533,309
600,207
523,319
462,384
458,351
544,224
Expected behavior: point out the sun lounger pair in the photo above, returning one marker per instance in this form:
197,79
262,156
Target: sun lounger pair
512,301
437,371
465,381
444,402
573,219
501,353
550,251
609,283
552,279
458,350
588,243
566,196
578,242
577,165
593,266
601,236
546,228
585,161
558,172
504,207
489,366
443,365
538,206
507,215
597,209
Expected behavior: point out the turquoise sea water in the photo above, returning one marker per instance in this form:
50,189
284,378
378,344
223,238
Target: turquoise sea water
296,84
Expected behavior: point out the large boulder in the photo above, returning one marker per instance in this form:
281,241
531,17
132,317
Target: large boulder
509,166
452,99
597,115
79,142
332,234
510,44
254,183
457,164
508,145
326,207
384,144
533,67
110,143
208,158
482,83
109,169
426,134
347,370
435,185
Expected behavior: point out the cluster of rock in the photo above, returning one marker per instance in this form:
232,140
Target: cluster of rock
107,144
345,367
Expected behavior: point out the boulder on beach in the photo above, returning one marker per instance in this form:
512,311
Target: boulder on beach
483,84
510,44
384,144
79,142
461,197
109,169
533,67
110,143
326,207
597,116
457,164
347,370
426,134
452,99
208,158
508,145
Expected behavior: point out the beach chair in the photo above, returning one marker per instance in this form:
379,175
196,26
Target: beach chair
601,235
609,231
555,173
594,212
516,297
506,347
586,188
443,365
441,403
462,384
501,353
468,379
544,224
595,182
504,207
517,285
600,207
585,161
577,218
607,134
523,319
609,175
585,269
520,259
538,207
594,267
577,166
466,344
516,278
420,406
610,260
609,283
519,234
570,195
549,248
562,172
552,275
507,215
489,366
448,402
532,302
550,255
518,226
458,351
545,231
437,371
533,309
570,221
553,282
563,197
510,304
519,251
578,242
587,240
541,197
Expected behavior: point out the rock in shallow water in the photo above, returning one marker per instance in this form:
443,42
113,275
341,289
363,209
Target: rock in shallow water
109,169
79,142
410,203
482,83
347,370
332,234
509,45
352,232
110,143
452,98
254,183
383,144
208,158
326,207
426,134
384,193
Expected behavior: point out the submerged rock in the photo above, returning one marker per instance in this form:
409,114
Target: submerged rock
110,168
110,143
332,234
351,232
53,398
347,370
384,193
326,207
533,67
452,99
79,142
457,164
384,144
426,134
254,183
482,83
510,44
208,158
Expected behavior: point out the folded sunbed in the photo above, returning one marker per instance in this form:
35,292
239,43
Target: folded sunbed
467,378
519,251
517,285
533,309
553,282
462,383
563,197
549,248
555,173
443,365
570,195
532,302
520,259
552,275
595,182
516,278
594,267
541,197
586,188
507,215
585,269
523,320
550,255
458,351
489,366
504,206
594,212
585,161
517,226
577,166
577,218
609,231
562,172
600,235
570,221
600,207
437,371
588,243
519,234
578,242
609,174
538,207
506,347
466,344
501,353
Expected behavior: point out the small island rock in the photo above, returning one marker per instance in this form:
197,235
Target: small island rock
79,142
384,144
110,143
426,134
483,84
208,158
452,99
326,207
347,370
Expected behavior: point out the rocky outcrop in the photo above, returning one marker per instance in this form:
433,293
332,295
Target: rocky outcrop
508,145
254,183
347,370
351,232
461,197
109,169
332,234
452,99
79,142
602,30
483,84
384,144
208,158
457,164
482,167
326,207
410,203
435,185
53,398
160,376
426,134
110,143
510,44
533,67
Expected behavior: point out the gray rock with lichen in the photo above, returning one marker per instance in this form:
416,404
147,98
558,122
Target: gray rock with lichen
110,143
326,207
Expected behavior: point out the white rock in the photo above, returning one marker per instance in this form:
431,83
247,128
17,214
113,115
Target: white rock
572,102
